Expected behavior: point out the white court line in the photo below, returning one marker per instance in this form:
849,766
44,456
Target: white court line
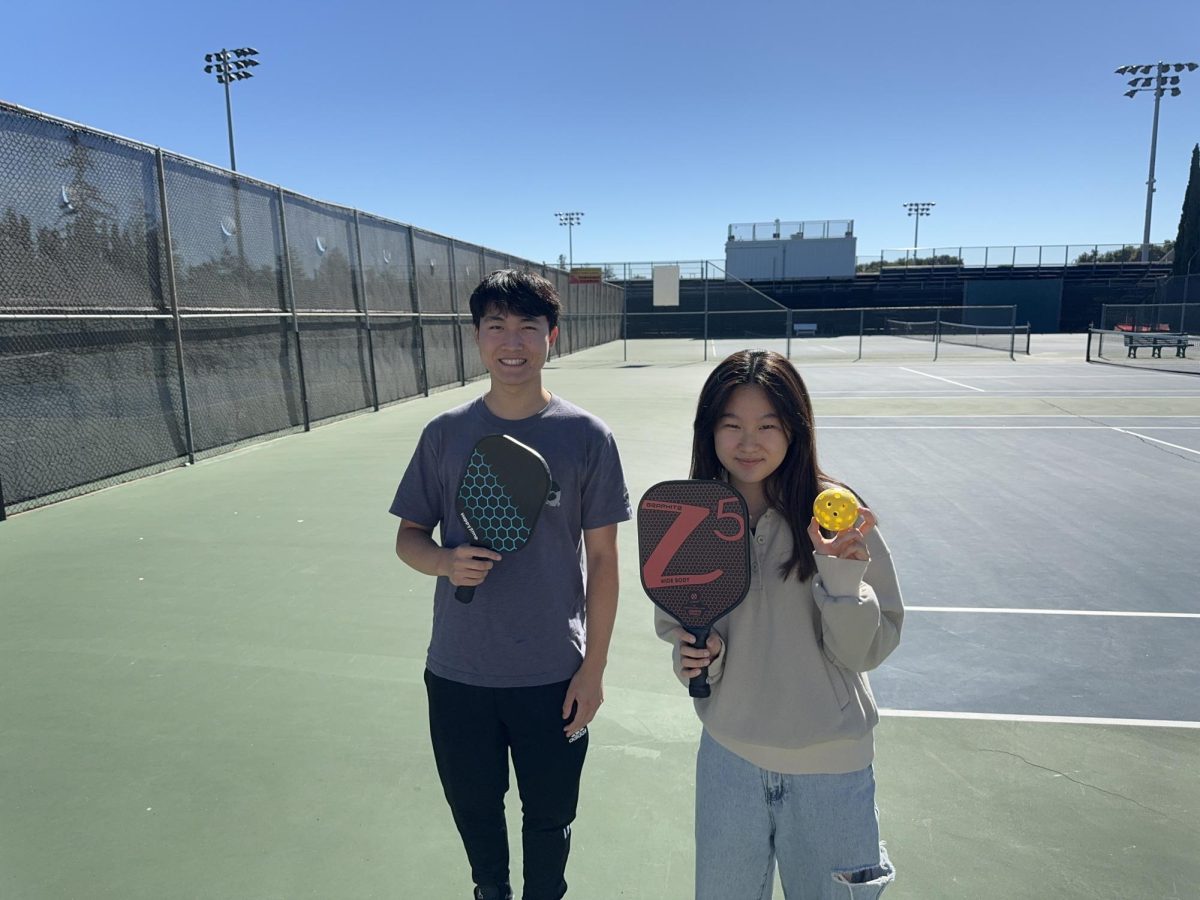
1056,376
1046,720
940,378
1053,612
846,393
1157,441
1009,428
993,416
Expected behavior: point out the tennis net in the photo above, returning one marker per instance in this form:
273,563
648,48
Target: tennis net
1008,338
921,331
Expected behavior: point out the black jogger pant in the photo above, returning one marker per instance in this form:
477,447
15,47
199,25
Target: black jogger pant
473,730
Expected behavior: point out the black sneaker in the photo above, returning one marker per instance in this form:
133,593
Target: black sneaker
493,892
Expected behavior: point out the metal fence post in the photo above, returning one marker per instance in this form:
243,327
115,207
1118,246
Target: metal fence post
366,310
173,299
291,298
625,311
415,294
459,349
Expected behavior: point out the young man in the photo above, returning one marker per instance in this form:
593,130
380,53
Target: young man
520,668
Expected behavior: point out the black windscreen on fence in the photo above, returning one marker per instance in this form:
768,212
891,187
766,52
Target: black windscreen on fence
228,246
270,312
85,400
242,378
399,368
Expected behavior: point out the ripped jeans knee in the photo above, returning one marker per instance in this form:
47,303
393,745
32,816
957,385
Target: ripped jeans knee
866,883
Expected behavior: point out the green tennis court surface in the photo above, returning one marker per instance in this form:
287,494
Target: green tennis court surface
210,680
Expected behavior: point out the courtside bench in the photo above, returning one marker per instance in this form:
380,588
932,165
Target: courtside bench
1156,341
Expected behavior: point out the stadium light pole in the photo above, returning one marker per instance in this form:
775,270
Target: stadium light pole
570,219
1159,84
229,66
916,210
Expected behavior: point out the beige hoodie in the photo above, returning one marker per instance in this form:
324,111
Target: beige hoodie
789,689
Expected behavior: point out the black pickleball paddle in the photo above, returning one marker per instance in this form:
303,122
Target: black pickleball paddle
500,496
694,551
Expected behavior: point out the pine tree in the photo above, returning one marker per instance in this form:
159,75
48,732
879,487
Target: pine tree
1187,244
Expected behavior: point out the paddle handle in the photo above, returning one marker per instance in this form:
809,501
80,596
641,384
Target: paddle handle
466,593
698,686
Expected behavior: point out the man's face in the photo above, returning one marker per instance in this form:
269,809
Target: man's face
514,347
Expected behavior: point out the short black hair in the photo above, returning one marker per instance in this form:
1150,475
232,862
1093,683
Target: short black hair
516,291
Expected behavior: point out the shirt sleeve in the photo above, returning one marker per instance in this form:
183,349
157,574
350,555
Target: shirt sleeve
419,497
862,612
605,499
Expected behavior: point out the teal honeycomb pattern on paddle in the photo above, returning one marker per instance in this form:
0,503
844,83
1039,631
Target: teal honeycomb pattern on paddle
499,523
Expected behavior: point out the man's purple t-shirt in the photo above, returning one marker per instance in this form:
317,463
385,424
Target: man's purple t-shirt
527,623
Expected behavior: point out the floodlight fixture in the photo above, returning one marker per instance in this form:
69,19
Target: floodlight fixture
916,210
1160,84
228,66
570,220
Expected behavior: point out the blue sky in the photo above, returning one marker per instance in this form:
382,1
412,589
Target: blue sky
662,121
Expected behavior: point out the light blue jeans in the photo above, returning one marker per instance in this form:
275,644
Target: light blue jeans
822,829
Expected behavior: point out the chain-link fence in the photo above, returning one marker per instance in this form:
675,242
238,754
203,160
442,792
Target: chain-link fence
154,309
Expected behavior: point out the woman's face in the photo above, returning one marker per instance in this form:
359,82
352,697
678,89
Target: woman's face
750,439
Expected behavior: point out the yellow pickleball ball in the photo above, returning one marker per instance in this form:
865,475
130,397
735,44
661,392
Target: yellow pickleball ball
836,509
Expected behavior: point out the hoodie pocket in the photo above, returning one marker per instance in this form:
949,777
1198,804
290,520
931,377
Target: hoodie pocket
837,680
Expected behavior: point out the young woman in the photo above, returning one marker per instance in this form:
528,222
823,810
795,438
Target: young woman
783,774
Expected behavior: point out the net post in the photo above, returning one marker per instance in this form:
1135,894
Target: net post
415,294
862,323
789,334
706,310
1012,335
291,297
366,310
3,514
172,298
1087,353
937,332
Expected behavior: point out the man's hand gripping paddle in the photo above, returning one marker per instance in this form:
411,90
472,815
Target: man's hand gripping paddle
694,550
500,496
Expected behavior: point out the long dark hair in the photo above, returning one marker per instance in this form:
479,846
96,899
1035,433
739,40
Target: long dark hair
792,488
